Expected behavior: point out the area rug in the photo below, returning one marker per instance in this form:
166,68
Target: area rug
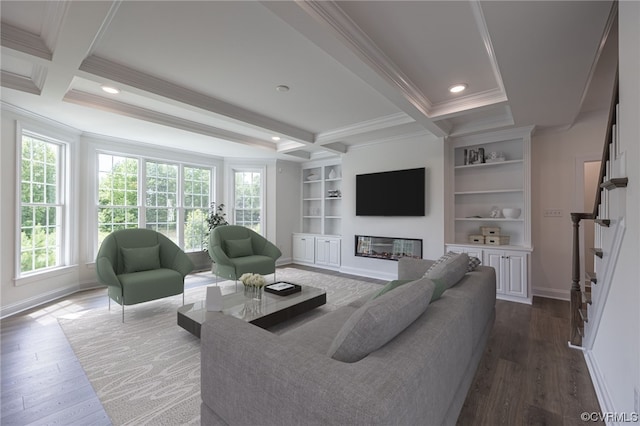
147,370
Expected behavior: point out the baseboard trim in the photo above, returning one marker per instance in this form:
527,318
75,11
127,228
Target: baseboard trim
602,393
551,293
41,299
369,274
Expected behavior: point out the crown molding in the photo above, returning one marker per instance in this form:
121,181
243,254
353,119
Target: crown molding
23,41
346,30
465,103
411,135
364,127
18,82
163,90
611,20
39,119
55,13
476,8
94,101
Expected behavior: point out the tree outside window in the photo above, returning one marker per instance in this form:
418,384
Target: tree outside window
117,194
41,206
248,199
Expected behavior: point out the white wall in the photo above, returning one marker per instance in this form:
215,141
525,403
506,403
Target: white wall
555,156
403,153
615,358
288,195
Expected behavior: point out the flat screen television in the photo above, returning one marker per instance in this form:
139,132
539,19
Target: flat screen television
393,193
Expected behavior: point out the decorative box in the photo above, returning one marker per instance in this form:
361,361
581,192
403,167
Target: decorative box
477,239
497,240
490,230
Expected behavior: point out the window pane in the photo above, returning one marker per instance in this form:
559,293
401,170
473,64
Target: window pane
161,198
196,198
248,190
117,194
40,224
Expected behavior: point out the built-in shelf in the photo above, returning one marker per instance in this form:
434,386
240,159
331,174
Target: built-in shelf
321,198
489,191
491,164
477,191
489,219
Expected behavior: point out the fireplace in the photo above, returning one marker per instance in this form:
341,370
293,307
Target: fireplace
389,248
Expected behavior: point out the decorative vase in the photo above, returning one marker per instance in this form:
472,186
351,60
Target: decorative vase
332,174
253,291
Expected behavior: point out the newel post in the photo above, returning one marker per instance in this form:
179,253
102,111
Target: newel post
576,296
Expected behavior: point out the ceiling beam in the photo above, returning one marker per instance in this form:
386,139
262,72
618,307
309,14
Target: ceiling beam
327,26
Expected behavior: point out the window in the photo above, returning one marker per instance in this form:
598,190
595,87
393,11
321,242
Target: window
248,199
41,204
170,198
162,198
197,190
117,194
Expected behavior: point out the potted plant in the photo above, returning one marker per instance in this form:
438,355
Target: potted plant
215,218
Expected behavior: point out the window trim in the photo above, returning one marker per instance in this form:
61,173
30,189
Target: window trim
260,168
63,189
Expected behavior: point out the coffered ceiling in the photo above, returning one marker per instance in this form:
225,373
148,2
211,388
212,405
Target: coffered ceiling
203,75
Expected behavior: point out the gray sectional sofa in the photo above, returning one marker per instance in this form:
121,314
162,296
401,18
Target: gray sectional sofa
420,377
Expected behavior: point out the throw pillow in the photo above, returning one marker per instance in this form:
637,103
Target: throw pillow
390,286
239,248
449,271
473,261
380,320
141,258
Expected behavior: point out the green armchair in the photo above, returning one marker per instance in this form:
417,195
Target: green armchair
237,250
139,265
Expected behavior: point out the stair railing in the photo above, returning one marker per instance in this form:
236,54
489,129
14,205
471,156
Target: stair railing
576,303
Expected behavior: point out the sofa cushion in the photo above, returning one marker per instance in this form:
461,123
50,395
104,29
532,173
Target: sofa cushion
239,248
140,258
379,320
390,286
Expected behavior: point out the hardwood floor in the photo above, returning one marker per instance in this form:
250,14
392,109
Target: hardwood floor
527,376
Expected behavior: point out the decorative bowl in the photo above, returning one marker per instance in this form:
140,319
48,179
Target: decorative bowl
511,213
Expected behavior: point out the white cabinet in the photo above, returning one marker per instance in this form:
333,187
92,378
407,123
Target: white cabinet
304,248
512,274
328,251
321,251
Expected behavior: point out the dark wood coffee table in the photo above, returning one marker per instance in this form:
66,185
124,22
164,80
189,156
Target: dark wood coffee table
266,312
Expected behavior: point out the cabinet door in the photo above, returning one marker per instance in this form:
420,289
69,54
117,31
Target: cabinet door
334,252
303,248
322,251
496,259
516,274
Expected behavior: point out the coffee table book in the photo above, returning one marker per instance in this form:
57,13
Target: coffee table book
282,288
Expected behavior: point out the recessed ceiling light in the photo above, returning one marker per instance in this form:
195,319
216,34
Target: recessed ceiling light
457,88
111,89
282,88
275,138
